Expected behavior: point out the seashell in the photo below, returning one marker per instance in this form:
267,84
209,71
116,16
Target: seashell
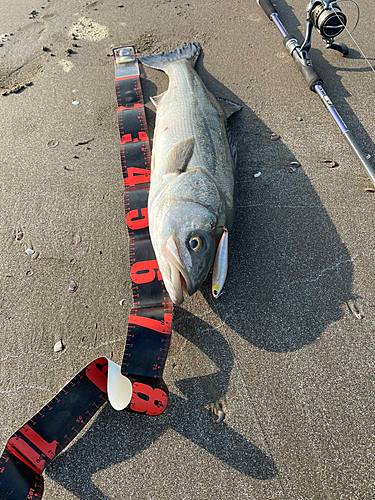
72,286
221,416
29,251
354,310
257,174
78,239
19,236
274,137
332,163
52,144
58,346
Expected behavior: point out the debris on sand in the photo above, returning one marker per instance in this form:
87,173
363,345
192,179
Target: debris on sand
88,29
82,143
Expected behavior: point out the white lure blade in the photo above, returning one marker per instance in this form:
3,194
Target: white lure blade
119,387
220,265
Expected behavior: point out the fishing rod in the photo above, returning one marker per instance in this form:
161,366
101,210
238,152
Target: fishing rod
329,21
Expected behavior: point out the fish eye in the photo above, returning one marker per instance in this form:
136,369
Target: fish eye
196,243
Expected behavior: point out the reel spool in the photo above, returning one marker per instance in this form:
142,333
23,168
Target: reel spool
329,21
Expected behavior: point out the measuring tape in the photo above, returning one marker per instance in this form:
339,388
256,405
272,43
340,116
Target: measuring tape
150,320
31,449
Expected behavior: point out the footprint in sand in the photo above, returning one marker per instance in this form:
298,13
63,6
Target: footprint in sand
23,59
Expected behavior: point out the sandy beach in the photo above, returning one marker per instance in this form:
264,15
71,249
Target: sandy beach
282,352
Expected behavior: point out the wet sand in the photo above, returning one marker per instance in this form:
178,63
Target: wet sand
280,352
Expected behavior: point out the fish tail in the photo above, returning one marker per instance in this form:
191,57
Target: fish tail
189,52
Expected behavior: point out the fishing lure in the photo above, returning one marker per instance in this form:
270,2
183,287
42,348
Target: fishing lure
220,265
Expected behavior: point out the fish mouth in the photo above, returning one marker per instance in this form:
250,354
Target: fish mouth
179,278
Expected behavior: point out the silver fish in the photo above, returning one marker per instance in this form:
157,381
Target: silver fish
192,173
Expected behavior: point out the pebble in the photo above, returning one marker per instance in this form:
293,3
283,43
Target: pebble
275,137
368,157
19,236
29,251
75,103
52,144
300,119
58,346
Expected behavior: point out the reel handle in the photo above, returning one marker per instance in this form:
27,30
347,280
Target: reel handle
268,7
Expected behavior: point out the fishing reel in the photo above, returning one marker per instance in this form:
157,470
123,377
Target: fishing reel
329,21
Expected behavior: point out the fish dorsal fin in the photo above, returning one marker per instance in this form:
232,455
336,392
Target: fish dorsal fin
180,155
188,52
229,107
157,98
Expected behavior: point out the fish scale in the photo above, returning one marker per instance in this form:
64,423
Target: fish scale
179,123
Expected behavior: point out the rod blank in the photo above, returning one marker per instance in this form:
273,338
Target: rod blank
315,83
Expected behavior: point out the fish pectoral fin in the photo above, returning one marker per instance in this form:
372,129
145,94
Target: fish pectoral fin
179,156
229,107
157,98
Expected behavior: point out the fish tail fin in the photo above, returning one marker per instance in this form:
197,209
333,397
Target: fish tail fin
189,52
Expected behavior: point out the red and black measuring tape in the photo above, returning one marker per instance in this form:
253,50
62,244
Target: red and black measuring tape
30,450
